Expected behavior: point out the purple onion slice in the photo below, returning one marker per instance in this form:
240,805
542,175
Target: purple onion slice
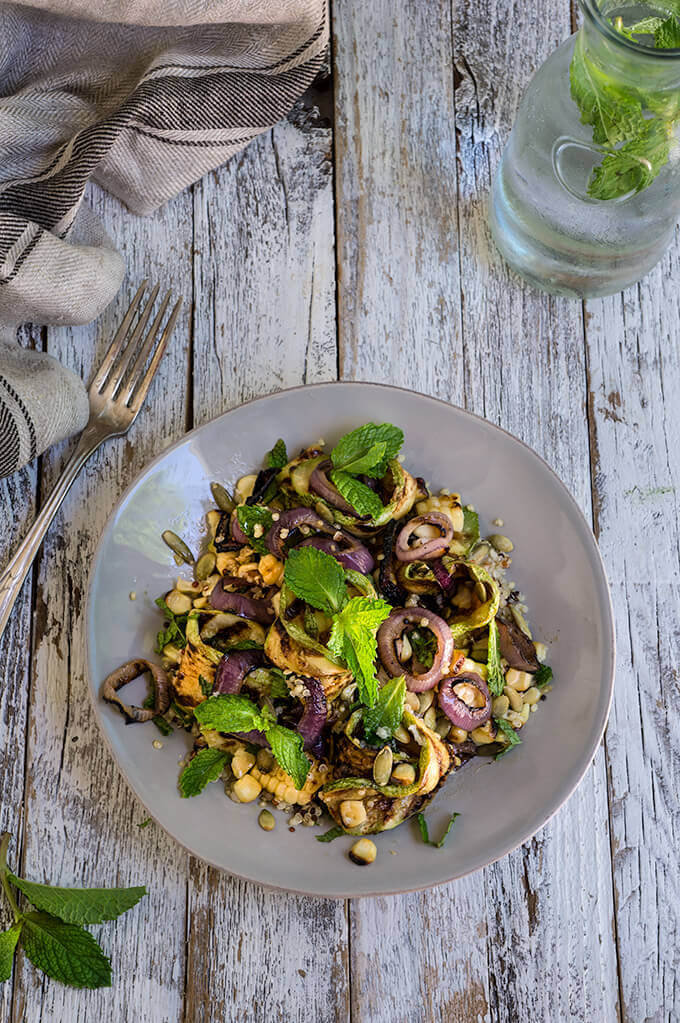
424,549
455,694
321,485
394,627
315,714
236,530
247,607
233,668
288,522
516,647
354,555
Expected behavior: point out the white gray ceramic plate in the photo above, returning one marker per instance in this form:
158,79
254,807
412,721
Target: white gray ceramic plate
557,565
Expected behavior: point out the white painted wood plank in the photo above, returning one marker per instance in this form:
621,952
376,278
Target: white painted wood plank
265,319
82,819
634,379
399,322
524,368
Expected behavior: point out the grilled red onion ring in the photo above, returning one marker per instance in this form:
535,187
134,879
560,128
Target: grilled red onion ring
445,579
393,628
315,713
424,549
127,673
247,607
354,555
236,530
287,522
233,668
455,707
321,485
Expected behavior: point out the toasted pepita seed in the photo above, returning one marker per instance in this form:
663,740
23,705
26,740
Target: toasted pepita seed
502,543
222,497
500,706
266,820
382,766
480,590
177,546
443,727
430,717
480,553
205,566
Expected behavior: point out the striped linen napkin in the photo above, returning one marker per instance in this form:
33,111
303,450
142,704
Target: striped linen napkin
143,97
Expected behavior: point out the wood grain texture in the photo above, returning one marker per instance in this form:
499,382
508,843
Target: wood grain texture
634,376
82,819
265,319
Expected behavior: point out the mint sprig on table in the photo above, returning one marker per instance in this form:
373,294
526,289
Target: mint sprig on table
52,935
365,451
319,579
236,713
637,145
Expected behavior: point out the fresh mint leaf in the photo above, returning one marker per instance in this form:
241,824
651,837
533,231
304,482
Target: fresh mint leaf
364,500
356,445
510,734
543,676
425,835
353,639
331,834
495,678
206,686
229,713
364,463
277,457
80,905
667,34
255,519
387,710
175,628
317,578
244,644
470,527
633,166
8,944
613,111
424,646
287,749
205,767
64,951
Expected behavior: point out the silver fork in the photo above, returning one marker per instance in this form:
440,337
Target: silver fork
116,395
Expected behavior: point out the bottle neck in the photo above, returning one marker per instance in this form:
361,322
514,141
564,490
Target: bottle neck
628,63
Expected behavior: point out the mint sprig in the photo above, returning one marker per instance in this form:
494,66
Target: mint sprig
205,767
510,734
175,628
255,519
495,679
316,578
386,712
52,935
364,500
277,457
367,450
425,834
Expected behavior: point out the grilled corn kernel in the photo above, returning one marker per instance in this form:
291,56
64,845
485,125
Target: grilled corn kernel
404,774
514,699
241,762
532,696
246,789
227,563
245,487
353,813
265,760
457,734
213,520
541,651
188,586
281,784
271,570
172,653
484,734
520,681
363,852
179,603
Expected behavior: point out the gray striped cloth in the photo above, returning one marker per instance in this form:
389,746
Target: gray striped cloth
143,97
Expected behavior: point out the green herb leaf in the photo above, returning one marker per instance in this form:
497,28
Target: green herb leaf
470,527
353,639
332,833
386,712
356,445
646,27
495,677
244,644
317,578
8,944
163,726
543,676
364,500
364,463
80,905
667,34
205,767
206,687
614,112
633,166
277,457
175,629
64,951
270,681
287,749
229,713
251,515
510,734
424,646
425,835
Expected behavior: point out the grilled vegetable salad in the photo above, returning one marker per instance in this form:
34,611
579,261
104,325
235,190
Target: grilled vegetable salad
346,642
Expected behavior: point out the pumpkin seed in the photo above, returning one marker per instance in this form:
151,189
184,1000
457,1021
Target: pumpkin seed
502,543
480,553
425,700
443,727
430,717
177,546
205,566
480,590
266,820
382,766
222,497
500,706
401,735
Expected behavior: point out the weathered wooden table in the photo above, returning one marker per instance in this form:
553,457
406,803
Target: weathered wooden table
351,241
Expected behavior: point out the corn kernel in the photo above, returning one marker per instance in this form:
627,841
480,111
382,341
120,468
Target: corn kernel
353,813
246,789
241,762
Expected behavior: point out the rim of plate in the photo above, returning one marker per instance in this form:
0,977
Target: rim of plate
595,558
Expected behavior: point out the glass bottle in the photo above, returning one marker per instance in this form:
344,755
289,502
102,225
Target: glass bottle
585,209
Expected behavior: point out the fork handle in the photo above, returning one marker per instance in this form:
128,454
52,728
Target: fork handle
13,576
